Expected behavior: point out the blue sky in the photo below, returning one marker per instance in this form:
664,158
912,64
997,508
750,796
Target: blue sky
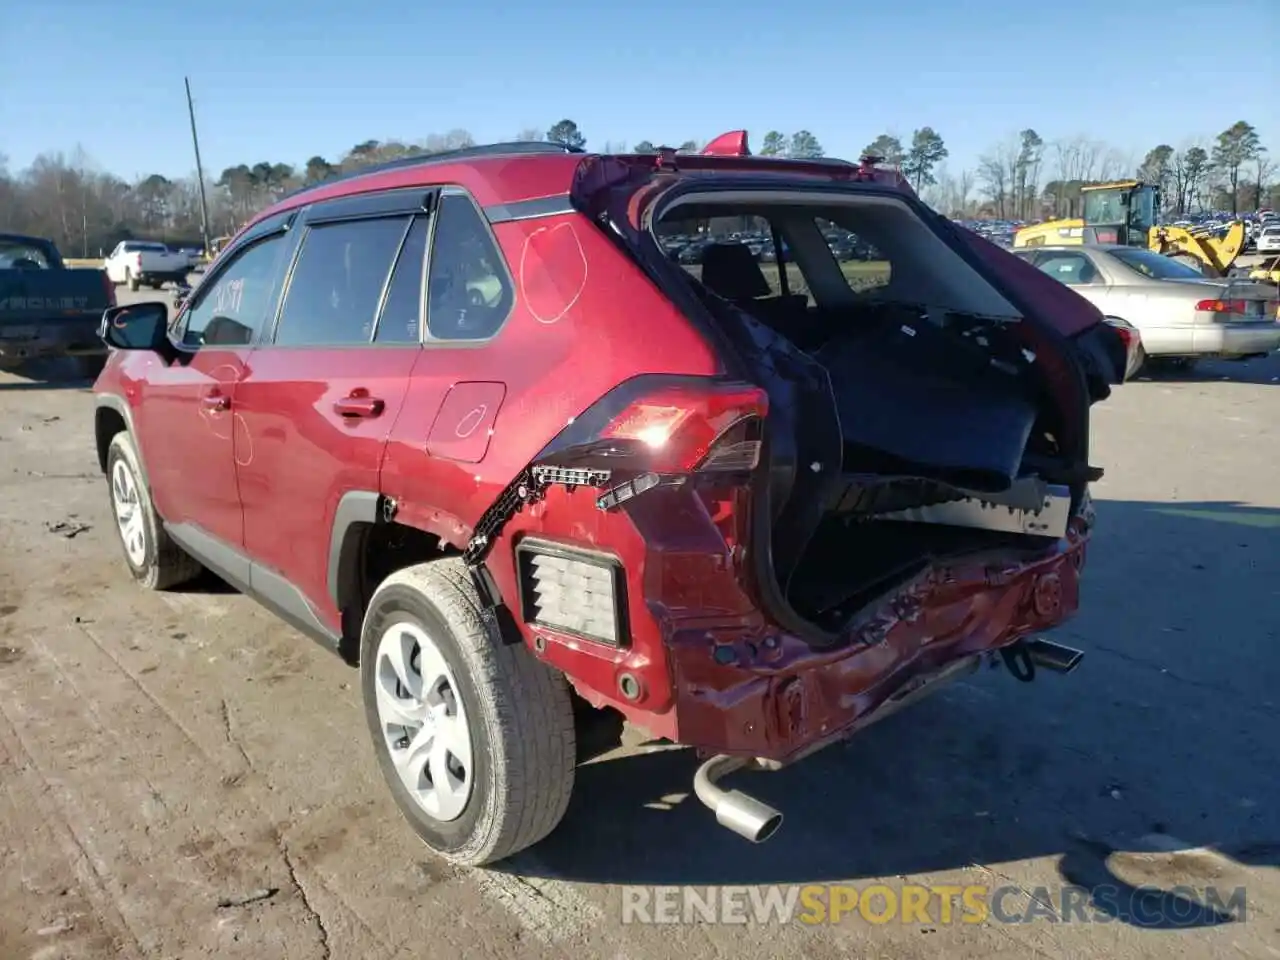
282,82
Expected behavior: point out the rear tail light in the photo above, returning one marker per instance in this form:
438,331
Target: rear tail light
1223,306
110,288
667,426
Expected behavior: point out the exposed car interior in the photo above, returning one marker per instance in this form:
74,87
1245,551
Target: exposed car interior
932,401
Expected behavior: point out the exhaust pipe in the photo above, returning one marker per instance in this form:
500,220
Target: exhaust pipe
746,816
1052,656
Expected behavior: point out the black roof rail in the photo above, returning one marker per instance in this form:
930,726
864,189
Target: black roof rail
512,148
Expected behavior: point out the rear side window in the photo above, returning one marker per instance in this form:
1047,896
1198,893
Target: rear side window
1069,268
469,292
337,282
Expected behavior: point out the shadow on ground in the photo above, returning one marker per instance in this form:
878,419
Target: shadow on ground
1163,729
1260,370
64,373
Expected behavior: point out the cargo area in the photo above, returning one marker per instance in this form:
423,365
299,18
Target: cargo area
909,421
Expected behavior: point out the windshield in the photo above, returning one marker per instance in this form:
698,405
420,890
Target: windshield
1104,206
136,247
22,256
1155,265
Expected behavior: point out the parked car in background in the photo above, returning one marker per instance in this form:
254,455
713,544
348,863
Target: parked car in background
48,309
1268,239
1182,315
135,263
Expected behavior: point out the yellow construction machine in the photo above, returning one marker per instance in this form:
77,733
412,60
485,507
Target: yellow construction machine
1125,212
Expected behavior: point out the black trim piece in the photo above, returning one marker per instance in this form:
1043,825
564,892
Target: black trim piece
269,588
228,563
382,203
355,507
551,548
530,209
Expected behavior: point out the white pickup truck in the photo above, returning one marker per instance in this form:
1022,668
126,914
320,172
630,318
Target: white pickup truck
138,262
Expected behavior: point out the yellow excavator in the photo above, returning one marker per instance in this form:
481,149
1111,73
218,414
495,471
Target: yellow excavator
1124,212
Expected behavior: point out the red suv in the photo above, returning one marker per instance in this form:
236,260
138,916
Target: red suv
749,450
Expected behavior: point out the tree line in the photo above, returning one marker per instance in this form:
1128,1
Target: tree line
87,210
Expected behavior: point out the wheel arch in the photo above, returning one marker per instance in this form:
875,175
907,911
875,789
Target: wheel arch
111,416
368,542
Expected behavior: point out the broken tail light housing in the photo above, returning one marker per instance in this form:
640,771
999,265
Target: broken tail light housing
667,426
572,591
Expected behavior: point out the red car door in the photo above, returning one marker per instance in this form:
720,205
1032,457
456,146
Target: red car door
185,415
320,397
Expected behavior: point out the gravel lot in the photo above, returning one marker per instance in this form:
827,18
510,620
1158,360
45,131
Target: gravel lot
160,753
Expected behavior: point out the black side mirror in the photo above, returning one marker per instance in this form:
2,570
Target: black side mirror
138,326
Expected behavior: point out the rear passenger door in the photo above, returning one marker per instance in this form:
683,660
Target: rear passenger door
323,392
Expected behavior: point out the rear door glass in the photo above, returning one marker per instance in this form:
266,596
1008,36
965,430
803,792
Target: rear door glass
401,318
337,282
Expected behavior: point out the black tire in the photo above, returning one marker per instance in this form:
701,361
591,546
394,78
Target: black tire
164,563
519,714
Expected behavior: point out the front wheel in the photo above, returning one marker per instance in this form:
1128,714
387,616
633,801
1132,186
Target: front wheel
474,735
130,280
154,559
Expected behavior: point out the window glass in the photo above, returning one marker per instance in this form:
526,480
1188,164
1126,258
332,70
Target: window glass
337,282
468,291
232,310
863,267
1155,265
401,316
1069,268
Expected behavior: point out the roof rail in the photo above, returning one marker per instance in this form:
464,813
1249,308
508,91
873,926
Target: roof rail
512,148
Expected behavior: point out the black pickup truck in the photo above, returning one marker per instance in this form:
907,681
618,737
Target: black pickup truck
48,309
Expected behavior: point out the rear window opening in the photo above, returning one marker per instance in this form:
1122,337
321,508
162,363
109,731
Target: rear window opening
938,416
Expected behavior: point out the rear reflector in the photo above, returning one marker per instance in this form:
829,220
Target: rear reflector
574,592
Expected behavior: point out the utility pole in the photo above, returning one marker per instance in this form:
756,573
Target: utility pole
195,142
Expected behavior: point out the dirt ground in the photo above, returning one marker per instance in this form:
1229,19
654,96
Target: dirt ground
164,757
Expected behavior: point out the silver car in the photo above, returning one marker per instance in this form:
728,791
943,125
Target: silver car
1179,313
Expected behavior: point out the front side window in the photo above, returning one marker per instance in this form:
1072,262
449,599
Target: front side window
337,282
469,293
232,311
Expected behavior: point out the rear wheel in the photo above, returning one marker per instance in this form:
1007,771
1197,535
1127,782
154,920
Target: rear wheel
473,734
154,559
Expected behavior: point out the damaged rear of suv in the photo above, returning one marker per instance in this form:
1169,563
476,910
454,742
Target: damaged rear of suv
754,452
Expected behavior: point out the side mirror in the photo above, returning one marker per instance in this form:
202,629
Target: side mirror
138,326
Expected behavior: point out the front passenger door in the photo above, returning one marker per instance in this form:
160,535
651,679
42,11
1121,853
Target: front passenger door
190,430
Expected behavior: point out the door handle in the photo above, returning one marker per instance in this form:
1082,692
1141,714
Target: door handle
216,401
358,406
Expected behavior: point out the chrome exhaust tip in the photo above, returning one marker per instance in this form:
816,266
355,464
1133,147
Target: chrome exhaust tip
744,815
1053,656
